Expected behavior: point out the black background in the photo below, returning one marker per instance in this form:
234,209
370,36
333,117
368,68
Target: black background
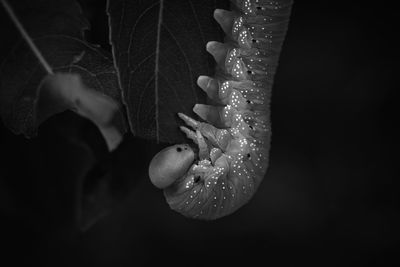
330,196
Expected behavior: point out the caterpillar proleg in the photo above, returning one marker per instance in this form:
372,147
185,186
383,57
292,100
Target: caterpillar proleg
235,139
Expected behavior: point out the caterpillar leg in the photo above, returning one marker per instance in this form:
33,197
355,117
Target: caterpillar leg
225,19
219,138
189,134
218,51
198,139
246,106
204,153
215,153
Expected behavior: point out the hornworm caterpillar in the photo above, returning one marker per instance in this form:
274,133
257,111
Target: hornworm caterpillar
233,143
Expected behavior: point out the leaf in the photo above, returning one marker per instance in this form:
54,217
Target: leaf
56,28
94,196
159,52
29,97
71,179
67,91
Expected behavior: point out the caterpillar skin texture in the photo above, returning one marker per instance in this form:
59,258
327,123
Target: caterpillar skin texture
233,143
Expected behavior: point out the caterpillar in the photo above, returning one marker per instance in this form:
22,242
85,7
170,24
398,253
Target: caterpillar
231,156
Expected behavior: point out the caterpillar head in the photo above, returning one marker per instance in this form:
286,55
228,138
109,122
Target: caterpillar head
170,164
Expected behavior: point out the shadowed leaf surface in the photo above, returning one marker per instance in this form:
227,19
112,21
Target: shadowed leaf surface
56,27
29,97
159,51
62,91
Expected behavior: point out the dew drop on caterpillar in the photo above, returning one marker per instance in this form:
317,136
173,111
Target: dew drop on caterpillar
233,143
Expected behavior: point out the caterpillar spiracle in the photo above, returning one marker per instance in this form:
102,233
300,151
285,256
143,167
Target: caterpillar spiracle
233,143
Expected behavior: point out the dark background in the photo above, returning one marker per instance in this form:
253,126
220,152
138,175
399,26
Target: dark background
330,196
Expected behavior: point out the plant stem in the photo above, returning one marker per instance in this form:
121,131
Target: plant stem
27,38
